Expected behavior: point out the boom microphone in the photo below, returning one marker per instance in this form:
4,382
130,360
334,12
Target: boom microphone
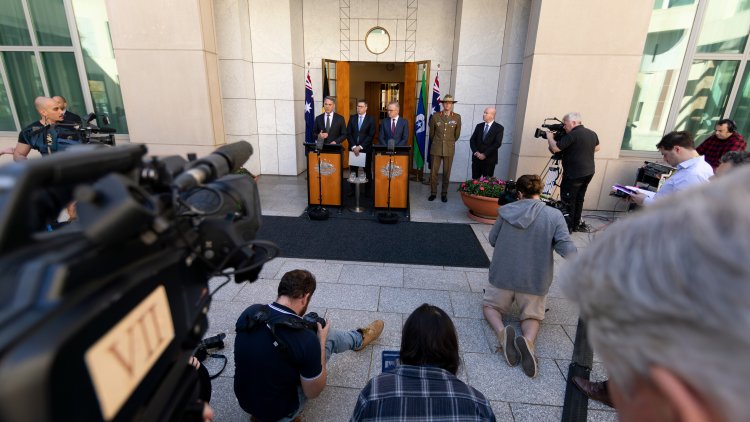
226,159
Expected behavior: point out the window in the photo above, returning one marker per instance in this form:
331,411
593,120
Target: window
42,55
690,72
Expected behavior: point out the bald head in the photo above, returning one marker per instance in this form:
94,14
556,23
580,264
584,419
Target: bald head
61,100
489,115
49,110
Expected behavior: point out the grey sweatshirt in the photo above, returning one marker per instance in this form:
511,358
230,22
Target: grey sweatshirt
524,236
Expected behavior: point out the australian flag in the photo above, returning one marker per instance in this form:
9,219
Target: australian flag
309,107
435,109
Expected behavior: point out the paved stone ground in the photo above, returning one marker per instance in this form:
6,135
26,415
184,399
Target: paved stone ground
351,294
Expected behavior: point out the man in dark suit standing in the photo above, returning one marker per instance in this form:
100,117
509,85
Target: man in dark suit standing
394,127
330,125
360,132
485,141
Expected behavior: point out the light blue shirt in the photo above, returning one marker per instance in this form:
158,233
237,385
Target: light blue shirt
689,173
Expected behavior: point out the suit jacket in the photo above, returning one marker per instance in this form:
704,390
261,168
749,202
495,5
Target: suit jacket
362,137
402,132
337,132
488,146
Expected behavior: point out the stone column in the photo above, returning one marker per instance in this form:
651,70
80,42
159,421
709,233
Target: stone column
476,66
575,60
278,72
169,74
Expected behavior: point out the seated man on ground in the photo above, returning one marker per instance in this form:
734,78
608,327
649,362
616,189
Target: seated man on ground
280,361
424,386
671,324
524,236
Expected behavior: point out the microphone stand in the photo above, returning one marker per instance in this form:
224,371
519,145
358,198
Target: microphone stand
319,212
389,217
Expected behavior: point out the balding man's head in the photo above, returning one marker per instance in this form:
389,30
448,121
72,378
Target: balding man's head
61,100
49,110
489,114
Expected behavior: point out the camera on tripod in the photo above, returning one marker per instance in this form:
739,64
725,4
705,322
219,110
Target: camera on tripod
557,129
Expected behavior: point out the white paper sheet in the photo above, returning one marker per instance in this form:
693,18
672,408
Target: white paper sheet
357,161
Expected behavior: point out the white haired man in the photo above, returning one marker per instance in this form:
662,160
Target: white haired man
671,322
577,147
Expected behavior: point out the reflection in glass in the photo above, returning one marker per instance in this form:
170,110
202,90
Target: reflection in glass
62,79
13,29
99,61
725,27
741,109
6,115
663,54
50,23
25,83
706,96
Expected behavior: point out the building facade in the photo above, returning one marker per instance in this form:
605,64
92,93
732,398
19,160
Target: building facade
188,75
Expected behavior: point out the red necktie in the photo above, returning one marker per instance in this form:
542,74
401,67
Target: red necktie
393,127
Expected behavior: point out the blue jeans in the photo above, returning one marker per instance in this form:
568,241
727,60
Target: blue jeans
337,342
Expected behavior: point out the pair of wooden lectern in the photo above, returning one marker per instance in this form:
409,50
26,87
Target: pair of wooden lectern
329,176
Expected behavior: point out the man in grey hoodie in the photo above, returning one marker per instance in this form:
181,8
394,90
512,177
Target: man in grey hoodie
526,232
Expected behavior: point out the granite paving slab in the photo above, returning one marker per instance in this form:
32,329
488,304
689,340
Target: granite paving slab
261,291
349,369
271,268
405,301
372,275
467,305
561,311
335,404
490,374
523,412
224,402
344,296
477,281
225,292
552,342
471,336
571,330
324,272
435,279
502,411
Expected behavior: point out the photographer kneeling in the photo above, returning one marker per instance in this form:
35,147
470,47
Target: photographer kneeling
524,236
280,361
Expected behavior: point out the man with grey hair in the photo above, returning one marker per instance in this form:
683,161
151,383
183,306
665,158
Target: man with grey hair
330,126
671,323
732,159
577,148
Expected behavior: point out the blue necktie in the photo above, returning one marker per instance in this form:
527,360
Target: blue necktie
359,127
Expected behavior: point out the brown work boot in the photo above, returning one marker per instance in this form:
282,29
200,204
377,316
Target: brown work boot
528,360
370,333
594,390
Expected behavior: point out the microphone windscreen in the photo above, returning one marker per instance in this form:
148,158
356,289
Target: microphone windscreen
391,144
319,143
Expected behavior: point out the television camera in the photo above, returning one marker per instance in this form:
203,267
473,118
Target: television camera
89,133
99,318
557,129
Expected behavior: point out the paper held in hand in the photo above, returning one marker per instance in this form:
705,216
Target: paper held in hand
357,161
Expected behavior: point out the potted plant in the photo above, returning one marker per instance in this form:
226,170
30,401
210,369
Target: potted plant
480,196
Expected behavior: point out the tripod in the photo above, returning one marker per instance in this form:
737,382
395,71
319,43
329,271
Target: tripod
319,212
551,174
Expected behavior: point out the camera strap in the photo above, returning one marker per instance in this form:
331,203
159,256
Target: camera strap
262,315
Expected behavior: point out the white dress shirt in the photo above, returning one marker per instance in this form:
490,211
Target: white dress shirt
689,173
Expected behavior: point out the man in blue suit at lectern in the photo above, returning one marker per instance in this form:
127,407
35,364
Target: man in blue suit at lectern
394,127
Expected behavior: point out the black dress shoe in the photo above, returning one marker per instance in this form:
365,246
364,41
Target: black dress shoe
594,390
431,197
444,198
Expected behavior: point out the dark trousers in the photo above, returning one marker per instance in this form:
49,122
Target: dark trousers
572,194
481,168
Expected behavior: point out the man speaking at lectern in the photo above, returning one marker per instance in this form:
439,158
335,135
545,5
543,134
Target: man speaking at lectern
330,125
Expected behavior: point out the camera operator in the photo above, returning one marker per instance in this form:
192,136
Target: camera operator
279,360
40,135
577,148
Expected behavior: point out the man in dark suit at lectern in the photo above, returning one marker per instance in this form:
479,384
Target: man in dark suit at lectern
394,127
330,125
360,132
485,141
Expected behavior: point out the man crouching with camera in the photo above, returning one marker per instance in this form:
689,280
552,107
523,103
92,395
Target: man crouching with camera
280,356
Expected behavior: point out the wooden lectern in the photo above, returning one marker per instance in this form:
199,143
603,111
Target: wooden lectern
397,163
329,175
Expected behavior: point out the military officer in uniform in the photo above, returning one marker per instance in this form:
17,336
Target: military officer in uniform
445,128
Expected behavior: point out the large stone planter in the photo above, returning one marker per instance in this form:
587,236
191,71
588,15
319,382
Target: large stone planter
481,208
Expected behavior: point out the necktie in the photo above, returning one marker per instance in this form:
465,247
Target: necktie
359,127
393,127
328,122
486,129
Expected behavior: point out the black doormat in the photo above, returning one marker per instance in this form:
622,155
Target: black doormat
453,245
